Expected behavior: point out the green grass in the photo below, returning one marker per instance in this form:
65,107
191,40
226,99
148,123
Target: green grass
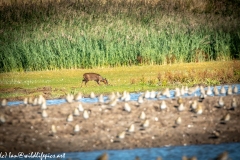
132,79
37,36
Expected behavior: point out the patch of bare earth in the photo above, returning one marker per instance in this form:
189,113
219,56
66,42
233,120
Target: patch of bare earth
25,130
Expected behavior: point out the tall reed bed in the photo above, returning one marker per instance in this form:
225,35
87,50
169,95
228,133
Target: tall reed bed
85,34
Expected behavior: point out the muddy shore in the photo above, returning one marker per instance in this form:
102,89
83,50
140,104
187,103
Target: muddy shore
27,131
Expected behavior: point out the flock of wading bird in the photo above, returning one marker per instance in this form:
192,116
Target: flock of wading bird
196,106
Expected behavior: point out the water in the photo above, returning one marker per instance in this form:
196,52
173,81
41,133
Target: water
133,97
202,152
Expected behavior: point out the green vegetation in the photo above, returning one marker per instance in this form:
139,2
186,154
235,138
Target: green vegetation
62,34
57,83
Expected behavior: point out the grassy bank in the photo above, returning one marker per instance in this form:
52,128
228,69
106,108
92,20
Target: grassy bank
48,35
58,83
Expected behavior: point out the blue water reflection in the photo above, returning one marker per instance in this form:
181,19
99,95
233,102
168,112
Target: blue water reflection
134,97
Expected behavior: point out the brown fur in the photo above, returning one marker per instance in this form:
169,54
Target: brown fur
93,77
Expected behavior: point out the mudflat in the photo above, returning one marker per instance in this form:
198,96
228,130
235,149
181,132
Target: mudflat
25,130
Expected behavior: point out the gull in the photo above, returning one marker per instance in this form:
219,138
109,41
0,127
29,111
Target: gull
76,112
80,107
78,96
178,121
76,128
235,89
145,123
234,103
199,109
225,118
92,95
147,94
194,105
4,103
53,129
177,92
223,90
127,107
35,101
44,105
182,91
69,98
215,91
127,97
85,114
229,91
2,118
113,102
25,101
163,105
140,99
100,99
121,135
209,91
44,114
142,115
220,102
112,96
70,118
40,99
152,94
181,107
131,128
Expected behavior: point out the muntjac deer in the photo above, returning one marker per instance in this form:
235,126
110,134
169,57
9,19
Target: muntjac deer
93,77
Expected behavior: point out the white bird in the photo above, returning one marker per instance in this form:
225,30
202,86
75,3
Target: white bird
76,112
220,102
121,135
166,93
2,118
40,99
234,103
100,99
229,91
177,92
76,128
215,91
44,114
146,123
70,118
127,97
131,128
127,107
113,102
44,105
147,94
80,107
226,118
35,101
178,121
194,105
112,96
199,109
142,115
4,103
53,129
181,107
235,89
140,99
163,105
152,94
209,91
182,91
92,95
25,101
69,98
85,114
78,96
223,90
